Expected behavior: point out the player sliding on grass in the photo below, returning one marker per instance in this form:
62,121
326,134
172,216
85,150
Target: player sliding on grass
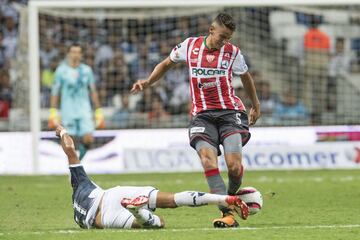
129,207
218,115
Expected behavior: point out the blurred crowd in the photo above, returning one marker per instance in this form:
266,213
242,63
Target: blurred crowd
9,18
121,51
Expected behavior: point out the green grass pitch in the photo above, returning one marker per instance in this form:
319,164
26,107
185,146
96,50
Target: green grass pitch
307,205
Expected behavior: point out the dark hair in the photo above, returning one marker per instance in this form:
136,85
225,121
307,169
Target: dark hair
226,20
74,45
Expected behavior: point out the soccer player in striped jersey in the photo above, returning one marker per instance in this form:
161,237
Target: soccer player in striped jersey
128,206
218,115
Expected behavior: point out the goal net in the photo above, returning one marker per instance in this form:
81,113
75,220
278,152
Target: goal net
304,60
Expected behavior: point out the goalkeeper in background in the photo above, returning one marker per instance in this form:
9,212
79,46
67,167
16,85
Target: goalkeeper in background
74,86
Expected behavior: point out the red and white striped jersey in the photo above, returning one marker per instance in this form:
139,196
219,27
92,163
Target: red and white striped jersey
211,74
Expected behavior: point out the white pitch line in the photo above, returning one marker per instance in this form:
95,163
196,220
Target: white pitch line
186,229
265,179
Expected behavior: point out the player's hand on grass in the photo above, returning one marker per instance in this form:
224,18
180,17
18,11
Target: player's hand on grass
54,119
99,119
140,85
254,115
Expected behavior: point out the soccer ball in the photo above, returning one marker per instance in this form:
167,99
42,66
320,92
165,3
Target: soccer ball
252,197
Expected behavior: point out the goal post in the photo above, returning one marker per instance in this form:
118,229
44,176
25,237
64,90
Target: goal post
34,78
35,7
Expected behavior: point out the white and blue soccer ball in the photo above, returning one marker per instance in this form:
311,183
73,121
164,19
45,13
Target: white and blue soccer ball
252,197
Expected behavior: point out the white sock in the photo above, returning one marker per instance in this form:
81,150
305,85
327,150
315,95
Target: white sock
75,165
148,218
194,199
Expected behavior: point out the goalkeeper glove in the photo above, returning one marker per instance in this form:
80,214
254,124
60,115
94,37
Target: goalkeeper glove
54,119
99,118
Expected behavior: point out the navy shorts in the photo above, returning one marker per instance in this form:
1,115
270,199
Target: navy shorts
213,126
82,187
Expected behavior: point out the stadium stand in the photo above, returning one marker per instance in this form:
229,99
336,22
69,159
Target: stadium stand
124,48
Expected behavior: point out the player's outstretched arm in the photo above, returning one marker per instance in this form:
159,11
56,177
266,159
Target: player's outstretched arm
250,89
156,74
67,144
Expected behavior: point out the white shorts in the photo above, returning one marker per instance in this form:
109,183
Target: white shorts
114,215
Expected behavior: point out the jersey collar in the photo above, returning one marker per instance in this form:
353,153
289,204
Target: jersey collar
207,47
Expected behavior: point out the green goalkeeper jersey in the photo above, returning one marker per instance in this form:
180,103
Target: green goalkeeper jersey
74,85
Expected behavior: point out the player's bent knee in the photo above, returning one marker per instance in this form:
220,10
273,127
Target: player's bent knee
205,153
209,165
208,159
